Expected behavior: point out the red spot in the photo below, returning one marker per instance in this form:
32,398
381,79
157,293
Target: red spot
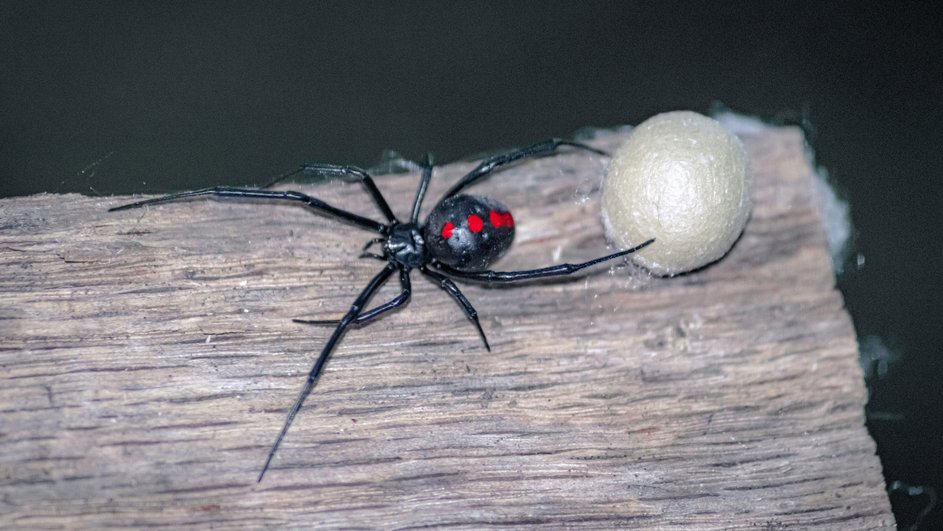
475,224
501,219
447,230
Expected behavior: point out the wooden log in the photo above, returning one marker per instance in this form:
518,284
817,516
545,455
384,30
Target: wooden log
149,359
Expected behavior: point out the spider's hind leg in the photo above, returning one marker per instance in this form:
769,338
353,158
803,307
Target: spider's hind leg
493,164
531,274
446,283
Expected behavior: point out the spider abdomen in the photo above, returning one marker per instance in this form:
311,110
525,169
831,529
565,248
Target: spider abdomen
469,232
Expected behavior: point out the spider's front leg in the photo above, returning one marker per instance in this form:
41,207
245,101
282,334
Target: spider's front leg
349,172
251,193
392,304
364,253
355,310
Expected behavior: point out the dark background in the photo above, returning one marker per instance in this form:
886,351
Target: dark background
134,97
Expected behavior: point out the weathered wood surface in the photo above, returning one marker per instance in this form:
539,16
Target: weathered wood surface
148,360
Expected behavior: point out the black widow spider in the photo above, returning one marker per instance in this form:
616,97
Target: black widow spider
461,237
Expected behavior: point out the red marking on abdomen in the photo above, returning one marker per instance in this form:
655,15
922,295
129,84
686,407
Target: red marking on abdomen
501,219
475,224
447,230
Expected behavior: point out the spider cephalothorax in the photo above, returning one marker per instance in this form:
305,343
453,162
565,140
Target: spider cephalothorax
462,236
405,245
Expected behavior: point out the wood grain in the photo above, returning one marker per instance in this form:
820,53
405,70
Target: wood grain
148,361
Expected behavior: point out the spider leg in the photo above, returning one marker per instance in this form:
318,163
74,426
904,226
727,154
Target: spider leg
423,185
496,162
552,271
365,254
354,172
466,306
315,372
249,193
372,242
392,304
